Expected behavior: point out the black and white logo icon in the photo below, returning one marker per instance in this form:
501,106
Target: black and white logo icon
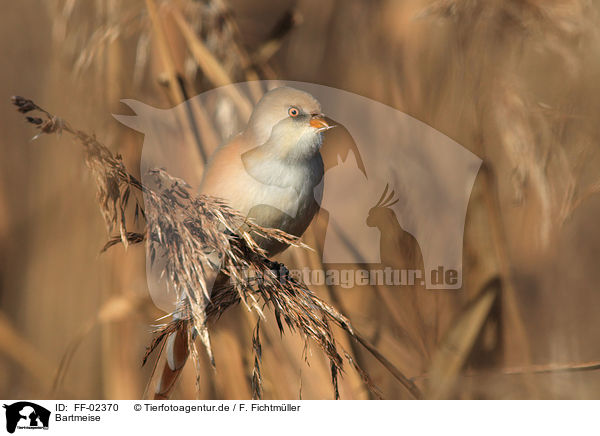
26,415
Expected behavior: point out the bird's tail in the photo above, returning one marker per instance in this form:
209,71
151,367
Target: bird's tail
176,352
179,338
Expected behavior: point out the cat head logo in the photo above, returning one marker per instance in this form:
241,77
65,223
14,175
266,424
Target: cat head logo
422,177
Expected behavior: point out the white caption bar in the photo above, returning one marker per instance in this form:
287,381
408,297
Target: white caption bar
89,418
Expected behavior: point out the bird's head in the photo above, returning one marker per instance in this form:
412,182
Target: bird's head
289,122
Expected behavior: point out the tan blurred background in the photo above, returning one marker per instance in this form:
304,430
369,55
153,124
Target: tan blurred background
514,81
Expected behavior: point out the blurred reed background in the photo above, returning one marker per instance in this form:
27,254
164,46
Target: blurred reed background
514,81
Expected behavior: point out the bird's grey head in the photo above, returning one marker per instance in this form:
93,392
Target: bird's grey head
288,120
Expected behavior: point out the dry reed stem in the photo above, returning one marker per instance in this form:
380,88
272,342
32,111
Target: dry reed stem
389,366
497,33
211,66
176,85
274,41
552,368
21,351
165,53
116,308
384,293
499,241
545,368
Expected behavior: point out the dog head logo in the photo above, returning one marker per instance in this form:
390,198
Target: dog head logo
26,415
426,178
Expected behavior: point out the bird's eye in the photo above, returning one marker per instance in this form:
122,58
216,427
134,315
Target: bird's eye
293,111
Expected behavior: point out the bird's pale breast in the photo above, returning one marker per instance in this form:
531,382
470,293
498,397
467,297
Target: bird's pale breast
288,206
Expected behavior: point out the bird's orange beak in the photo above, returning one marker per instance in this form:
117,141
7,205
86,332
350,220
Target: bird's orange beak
318,122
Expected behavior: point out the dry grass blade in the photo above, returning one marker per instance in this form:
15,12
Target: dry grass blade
455,348
256,375
365,377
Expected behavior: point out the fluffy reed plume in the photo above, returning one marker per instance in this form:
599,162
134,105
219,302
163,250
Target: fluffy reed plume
500,36
186,229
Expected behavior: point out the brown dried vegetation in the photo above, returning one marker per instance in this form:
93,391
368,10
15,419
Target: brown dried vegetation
513,81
